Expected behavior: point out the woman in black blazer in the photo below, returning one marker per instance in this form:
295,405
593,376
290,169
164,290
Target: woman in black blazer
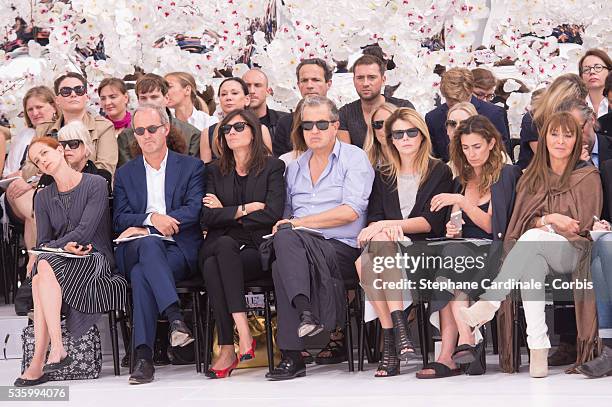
245,198
400,206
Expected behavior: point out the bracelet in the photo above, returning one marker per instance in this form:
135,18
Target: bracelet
543,220
550,228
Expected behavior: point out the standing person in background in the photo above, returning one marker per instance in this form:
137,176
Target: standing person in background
183,99
593,67
314,77
233,95
457,86
259,89
114,101
369,80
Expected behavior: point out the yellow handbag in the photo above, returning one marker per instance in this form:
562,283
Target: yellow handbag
257,326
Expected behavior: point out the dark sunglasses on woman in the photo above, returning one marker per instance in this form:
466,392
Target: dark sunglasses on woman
238,126
399,134
321,124
73,144
67,90
378,124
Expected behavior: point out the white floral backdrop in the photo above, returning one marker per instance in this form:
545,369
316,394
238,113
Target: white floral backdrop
333,30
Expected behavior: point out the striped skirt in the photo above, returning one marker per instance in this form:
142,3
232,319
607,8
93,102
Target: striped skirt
87,283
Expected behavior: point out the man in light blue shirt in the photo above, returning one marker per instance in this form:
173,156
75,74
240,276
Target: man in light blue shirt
327,189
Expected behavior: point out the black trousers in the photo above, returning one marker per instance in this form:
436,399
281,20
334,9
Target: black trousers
225,269
292,277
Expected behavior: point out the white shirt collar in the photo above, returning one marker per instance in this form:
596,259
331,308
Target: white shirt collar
162,166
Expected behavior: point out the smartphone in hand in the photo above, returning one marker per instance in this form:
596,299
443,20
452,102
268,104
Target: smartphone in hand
456,219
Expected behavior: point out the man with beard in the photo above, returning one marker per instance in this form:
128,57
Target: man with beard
369,79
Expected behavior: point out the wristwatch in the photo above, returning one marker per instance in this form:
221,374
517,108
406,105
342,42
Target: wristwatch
243,209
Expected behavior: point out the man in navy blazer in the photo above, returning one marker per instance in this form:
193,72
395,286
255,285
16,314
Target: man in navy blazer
157,193
456,86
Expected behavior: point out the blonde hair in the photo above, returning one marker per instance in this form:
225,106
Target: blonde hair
371,145
76,131
567,86
457,85
421,163
465,106
186,79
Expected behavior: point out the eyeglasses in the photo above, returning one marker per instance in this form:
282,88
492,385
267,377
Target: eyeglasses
484,96
151,129
378,124
321,124
452,123
238,126
73,144
67,90
597,68
399,134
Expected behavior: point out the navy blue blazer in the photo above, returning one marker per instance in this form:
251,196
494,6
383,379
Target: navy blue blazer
185,185
436,123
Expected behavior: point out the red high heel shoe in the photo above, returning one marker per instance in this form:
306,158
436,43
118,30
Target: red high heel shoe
250,354
222,373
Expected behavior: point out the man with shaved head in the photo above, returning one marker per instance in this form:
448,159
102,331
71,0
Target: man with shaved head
257,81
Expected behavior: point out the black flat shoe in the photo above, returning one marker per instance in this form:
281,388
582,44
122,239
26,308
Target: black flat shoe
180,334
19,382
287,369
309,325
143,372
54,367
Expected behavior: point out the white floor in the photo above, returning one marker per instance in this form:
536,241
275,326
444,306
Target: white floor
330,386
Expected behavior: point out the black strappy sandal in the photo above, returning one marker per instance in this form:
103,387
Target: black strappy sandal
337,353
403,344
440,371
389,362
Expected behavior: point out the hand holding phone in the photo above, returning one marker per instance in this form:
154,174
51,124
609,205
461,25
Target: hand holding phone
457,219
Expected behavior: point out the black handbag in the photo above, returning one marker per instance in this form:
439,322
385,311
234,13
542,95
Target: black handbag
24,302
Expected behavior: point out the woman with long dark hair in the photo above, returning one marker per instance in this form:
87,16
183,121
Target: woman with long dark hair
245,198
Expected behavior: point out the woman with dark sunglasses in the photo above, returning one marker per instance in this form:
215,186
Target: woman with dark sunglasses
399,207
72,99
245,198
375,144
74,138
233,95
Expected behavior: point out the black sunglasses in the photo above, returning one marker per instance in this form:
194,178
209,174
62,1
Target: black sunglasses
238,126
67,90
73,144
399,134
378,124
321,124
151,129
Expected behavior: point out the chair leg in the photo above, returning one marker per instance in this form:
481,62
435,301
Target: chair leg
423,337
112,322
195,300
494,336
516,347
269,333
125,335
207,334
377,336
5,271
15,269
348,335
359,316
